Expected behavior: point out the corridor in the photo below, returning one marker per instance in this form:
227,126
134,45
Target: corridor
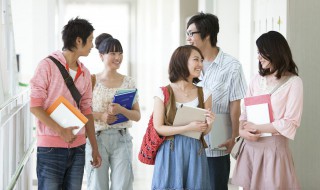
149,32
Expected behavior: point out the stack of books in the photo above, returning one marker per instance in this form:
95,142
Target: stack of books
125,98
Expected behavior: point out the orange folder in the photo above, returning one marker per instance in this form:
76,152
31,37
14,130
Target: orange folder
70,108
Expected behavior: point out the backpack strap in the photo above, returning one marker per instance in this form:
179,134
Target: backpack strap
200,97
68,81
93,80
170,107
201,105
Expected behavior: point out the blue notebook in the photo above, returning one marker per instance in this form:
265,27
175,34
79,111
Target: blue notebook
125,98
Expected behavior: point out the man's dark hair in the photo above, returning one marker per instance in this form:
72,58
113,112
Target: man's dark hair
273,47
206,24
178,66
76,28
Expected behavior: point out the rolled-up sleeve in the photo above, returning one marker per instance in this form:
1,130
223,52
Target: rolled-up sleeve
288,125
39,85
86,100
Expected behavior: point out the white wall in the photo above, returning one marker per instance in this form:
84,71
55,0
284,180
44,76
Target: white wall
100,14
157,37
228,37
8,63
246,39
303,35
267,15
35,29
2,45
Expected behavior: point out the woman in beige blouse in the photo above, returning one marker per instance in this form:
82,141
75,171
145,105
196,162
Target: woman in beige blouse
114,140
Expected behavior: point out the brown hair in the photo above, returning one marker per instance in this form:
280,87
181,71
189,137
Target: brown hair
178,66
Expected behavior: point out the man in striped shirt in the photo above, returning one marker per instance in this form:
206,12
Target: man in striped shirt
223,75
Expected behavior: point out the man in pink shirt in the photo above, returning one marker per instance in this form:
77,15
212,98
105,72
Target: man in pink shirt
60,153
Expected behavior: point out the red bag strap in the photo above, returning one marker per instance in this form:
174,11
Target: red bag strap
165,94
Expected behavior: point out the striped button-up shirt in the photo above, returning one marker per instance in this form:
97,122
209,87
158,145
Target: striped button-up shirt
225,79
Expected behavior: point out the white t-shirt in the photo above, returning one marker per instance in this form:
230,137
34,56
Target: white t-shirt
194,103
72,73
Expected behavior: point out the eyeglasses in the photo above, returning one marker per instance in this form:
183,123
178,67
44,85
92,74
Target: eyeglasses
190,33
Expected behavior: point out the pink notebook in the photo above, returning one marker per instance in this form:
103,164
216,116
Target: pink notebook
261,99
259,110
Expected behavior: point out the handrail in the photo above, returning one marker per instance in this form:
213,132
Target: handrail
21,165
7,102
12,113
8,110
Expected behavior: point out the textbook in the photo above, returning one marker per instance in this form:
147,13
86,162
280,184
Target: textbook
125,98
187,114
222,131
66,115
259,110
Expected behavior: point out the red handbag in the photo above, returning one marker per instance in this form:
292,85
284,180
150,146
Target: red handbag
151,140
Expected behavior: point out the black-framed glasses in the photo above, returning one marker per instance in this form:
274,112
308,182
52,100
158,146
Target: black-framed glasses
190,33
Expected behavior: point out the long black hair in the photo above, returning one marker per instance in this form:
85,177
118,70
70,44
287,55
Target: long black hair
273,47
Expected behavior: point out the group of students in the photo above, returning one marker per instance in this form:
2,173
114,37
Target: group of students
200,74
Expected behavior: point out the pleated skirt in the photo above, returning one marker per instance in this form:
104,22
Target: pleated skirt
266,164
181,164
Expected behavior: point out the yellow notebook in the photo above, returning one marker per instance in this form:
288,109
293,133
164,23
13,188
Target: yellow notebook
66,115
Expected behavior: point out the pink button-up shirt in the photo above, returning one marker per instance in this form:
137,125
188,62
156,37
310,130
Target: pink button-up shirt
47,85
286,102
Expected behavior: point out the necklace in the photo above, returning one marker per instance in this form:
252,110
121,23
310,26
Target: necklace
185,92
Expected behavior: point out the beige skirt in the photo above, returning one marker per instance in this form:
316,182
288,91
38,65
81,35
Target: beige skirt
266,164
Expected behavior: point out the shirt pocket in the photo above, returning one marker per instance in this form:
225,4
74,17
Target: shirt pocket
219,92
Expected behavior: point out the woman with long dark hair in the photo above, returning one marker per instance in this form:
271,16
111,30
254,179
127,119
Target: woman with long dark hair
266,162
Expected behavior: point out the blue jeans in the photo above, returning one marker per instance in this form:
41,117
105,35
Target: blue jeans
60,168
219,170
115,148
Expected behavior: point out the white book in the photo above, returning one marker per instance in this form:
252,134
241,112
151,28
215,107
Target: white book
258,114
259,110
186,115
66,115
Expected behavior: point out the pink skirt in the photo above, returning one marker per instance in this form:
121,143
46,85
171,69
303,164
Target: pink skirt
266,164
